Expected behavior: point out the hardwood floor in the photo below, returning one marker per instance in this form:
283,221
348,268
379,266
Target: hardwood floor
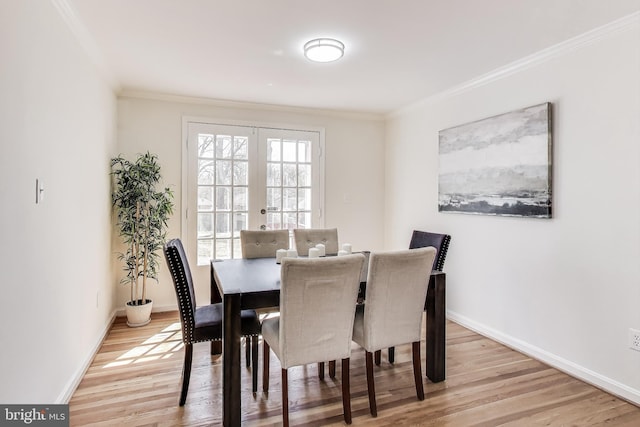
135,381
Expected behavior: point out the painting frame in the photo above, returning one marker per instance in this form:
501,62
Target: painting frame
500,165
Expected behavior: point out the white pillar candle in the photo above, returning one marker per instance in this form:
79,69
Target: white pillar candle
314,252
321,249
280,253
342,253
347,247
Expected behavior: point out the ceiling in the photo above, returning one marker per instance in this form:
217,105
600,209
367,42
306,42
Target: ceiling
397,51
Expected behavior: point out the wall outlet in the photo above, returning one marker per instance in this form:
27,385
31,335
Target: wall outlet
634,339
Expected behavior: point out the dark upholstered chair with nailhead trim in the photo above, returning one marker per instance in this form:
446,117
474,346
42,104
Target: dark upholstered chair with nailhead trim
202,324
423,239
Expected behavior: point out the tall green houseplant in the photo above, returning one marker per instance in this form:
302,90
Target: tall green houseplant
142,214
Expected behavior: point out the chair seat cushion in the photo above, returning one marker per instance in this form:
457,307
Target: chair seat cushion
208,323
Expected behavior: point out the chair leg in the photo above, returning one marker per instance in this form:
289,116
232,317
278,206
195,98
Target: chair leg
321,371
247,350
285,399
392,354
186,372
265,366
370,384
332,368
378,357
417,370
254,362
346,390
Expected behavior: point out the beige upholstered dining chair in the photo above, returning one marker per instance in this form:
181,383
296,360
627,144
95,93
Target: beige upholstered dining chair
392,315
263,243
307,238
423,239
200,324
310,333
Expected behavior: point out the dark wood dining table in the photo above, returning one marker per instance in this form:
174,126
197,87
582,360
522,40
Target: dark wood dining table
255,283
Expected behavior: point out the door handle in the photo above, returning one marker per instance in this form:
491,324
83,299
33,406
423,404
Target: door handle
263,211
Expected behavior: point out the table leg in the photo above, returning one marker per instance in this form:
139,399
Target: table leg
216,346
231,409
435,331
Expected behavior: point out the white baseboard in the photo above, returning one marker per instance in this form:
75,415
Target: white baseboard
616,388
74,382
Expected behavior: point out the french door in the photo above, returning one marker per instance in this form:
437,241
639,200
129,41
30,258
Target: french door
244,177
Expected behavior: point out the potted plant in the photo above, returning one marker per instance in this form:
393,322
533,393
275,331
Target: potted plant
142,214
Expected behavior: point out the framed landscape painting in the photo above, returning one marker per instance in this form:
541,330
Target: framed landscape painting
498,166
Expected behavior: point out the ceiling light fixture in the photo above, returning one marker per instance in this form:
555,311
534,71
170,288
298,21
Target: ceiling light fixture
323,50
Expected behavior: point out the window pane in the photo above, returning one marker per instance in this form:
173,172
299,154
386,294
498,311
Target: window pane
240,176
205,172
239,223
273,150
304,175
205,225
205,251
237,248
223,146
304,220
223,248
205,198
241,147
289,151
240,199
290,221
205,146
274,221
304,151
223,198
290,199
274,199
223,225
223,172
273,175
289,175
304,199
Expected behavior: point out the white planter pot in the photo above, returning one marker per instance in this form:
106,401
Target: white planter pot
138,315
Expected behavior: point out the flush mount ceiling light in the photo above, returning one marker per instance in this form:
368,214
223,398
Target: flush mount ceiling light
323,50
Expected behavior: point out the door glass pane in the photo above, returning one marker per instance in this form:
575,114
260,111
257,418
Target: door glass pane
205,146
274,221
304,175
205,198
240,173
223,225
290,199
274,176
289,151
223,198
273,150
304,151
223,249
223,146
290,220
289,175
205,251
205,225
223,172
241,148
205,172
304,220
240,199
304,199
239,223
274,199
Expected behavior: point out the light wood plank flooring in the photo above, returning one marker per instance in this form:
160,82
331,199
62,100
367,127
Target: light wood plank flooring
134,380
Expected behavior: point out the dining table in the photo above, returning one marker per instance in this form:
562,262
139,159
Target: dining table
244,284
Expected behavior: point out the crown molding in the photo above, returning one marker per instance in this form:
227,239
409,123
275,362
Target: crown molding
86,41
181,99
611,29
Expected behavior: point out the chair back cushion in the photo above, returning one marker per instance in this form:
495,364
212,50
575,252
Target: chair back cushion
317,307
396,292
307,238
181,274
263,243
423,239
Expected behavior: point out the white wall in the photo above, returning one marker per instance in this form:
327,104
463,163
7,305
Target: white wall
58,125
566,289
354,164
